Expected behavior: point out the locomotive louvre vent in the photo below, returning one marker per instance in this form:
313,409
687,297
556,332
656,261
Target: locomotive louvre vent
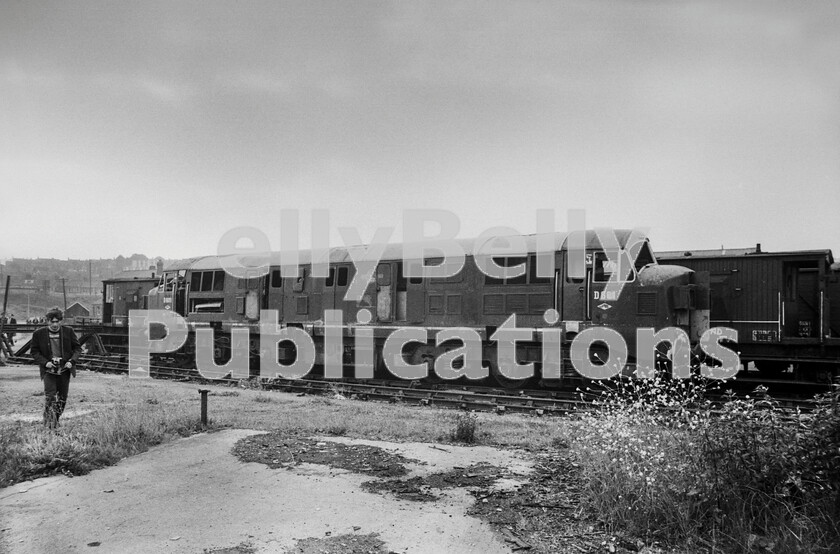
646,303
516,303
494,304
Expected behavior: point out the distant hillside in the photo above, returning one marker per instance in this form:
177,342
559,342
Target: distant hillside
38,284
37,303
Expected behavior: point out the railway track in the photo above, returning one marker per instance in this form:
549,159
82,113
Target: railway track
465,398
479,398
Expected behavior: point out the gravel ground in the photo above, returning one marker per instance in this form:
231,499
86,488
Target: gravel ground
288,490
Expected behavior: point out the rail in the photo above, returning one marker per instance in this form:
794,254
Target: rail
478,398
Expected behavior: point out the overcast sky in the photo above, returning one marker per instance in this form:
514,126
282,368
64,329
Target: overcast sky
156,127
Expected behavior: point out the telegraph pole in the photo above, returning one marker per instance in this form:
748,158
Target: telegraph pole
3,319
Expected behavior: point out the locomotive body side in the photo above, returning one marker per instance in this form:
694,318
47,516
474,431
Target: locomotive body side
652,296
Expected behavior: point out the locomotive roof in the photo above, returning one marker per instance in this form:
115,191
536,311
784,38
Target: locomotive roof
738,252
341,254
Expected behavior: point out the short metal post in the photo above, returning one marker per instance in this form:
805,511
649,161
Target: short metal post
203,393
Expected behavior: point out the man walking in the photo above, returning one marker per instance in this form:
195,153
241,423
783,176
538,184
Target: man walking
12,321
55,348
5,342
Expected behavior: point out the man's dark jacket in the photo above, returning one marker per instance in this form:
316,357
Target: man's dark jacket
42,353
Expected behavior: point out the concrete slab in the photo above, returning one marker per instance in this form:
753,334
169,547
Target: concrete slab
193,494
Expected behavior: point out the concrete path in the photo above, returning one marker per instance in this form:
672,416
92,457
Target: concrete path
193,494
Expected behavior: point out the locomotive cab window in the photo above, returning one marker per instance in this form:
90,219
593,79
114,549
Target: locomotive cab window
343,273
218,280
337,277
276,279
207,281
172,280
403,280
604,267
645,256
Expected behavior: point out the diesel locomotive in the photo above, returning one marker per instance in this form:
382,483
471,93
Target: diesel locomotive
618,285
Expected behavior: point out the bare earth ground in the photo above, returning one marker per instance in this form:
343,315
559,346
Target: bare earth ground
288,490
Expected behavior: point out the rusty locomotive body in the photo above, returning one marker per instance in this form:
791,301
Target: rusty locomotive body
205,295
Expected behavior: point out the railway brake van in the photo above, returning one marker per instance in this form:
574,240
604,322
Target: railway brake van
128,290
654,296
785,306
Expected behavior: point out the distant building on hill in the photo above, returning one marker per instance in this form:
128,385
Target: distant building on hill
76,310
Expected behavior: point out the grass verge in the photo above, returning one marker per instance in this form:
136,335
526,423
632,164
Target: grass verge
129,415
29,450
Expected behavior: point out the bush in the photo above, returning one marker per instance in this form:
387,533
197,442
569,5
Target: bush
745,477
465,425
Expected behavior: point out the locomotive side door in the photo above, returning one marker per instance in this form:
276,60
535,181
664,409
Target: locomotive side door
343,278
384,291
574,293
335,288
598,272
174,289
601,270
328,297
274,292
415,308
181,292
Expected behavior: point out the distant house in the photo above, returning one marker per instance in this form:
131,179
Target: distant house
76,310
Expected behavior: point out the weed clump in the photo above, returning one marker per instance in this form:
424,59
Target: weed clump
742,476
465,426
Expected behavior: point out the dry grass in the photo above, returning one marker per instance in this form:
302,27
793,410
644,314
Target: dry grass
111,417
91,441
